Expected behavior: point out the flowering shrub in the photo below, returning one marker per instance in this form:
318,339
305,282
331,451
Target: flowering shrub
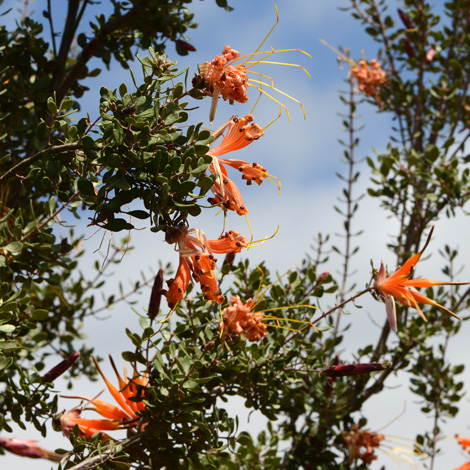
216,329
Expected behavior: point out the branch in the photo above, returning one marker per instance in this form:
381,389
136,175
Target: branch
27,161
67,38
49,13
87,53
106,455
336,307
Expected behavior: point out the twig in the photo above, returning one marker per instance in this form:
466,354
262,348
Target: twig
336,307
105,455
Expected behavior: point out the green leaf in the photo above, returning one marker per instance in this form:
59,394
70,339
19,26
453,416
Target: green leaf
116,225
51,106
86,187
67,103
88,142
13,247
138,214
7,328
40,314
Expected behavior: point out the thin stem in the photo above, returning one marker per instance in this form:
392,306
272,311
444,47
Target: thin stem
349,199
106,455
336,307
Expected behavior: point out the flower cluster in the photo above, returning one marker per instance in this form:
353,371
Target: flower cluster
197,260
361,444
369,76
129,397
226,78
239,319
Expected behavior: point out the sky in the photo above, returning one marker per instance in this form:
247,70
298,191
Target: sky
305,155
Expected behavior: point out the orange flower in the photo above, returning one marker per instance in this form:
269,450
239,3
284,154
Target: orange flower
196,257
401,287
369,76
465,466
241,132
463,441
230,79
238,319
116,417
361,444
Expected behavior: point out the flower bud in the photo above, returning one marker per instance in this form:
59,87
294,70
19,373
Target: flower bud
60,368
343,370
406,19
26,448
408,47
156,295
184,45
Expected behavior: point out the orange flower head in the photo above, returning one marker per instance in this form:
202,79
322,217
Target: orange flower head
115,417
230,81
362,444
239,319
228,75
401,287
369,77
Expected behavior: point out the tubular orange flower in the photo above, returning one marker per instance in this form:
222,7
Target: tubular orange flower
463,441
196,257
240,133
465,466
229,242
116,417
230,79
401,287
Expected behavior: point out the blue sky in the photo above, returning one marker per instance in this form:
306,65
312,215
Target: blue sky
305,154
